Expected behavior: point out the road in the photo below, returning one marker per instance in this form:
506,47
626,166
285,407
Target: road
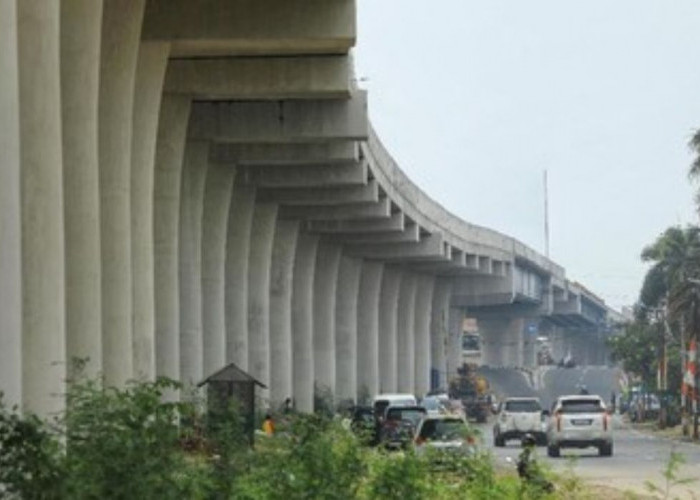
638,457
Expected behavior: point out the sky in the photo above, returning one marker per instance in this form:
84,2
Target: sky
476,99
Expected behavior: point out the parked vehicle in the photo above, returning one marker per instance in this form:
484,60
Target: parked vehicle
399,425
580,421
382,401
364,424
516,418
446,433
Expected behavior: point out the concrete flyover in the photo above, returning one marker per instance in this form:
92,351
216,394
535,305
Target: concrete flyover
187,184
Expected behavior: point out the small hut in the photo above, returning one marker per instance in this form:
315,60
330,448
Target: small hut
231,384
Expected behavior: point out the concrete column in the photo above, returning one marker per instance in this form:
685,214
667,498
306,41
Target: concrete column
529,348
281,285
303,322
194,173
43,264
438,333
325,279
454,341
346,328
406,336
150,71
493,341
368,329
515,340
121,30
217,201
261,236
10,216
388,307
80,69
424,303
172,127
240,220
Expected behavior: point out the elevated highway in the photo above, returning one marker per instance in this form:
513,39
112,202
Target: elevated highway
188,184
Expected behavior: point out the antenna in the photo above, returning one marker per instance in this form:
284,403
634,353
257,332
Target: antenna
546,217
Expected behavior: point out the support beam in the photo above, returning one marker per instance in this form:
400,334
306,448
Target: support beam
409,235
388,307
346,328
322,197
303,321
325,280
283,121
395,223
307,176
10,215
41,195
378,210
438,333
240,220
430,248
262,233
80,70
406,333
424,302
454,341
194,174
121,30
368,330
170,146
261,78
252,27
217,200
286,154
281,287
150,72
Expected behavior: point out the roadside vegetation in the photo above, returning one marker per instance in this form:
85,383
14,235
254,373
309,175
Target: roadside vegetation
656,347
130,443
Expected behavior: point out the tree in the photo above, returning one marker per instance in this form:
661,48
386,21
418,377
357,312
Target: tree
694,172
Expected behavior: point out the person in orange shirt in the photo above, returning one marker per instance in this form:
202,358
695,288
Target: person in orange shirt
268,425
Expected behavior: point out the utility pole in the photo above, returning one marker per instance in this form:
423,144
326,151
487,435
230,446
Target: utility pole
546,216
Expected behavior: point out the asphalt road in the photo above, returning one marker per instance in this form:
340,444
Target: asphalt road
638,457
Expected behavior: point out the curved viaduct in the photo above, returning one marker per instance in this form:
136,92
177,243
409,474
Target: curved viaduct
187,184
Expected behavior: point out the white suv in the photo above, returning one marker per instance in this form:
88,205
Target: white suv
517,417
579,422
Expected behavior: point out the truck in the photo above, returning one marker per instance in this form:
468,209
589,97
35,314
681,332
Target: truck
473,391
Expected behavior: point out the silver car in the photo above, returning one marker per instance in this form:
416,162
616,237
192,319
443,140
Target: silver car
580,422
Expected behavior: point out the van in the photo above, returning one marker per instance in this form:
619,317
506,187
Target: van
382,401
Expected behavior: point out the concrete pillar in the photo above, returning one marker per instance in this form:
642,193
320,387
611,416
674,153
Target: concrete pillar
217,201
80,70
259,260
424,303
121,30
43,260
529,348
240,220
388,308
406,337
325,279
502,341
303,322
454,341
281,285
10,216
346,328
194,173
150,71
368,329
438,333
172,127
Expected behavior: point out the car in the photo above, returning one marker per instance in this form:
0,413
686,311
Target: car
436,405
399,424
580,421
382,401
363,424
518,416
449,433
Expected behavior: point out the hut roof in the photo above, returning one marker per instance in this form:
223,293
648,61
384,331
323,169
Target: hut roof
231,373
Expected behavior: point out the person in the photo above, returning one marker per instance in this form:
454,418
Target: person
528,469
268,425
612,401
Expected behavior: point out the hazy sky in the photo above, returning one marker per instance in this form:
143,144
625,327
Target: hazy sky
475,99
